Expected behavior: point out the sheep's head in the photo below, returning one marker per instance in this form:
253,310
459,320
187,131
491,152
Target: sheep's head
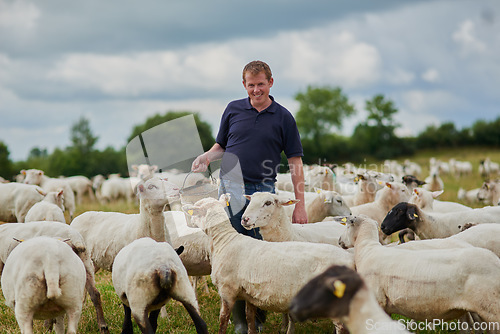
157,191
203,213
402,215
32,176
334,202
328,295
263,209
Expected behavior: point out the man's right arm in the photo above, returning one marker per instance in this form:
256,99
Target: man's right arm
200,164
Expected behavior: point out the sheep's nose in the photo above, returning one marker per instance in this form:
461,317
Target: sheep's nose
245,220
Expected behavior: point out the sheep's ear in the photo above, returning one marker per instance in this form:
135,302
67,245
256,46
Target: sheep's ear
286,202
40,173
436,193
388,185
415,190
140,188
23,171
179,250
343,221
153,168
60,193
225,198
41,192
18,240
336,286
248,197
135,167
318,190
412,215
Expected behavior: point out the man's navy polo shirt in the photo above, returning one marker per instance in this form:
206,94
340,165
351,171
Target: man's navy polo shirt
258,138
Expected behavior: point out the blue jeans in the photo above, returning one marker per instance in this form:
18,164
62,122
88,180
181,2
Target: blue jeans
238,203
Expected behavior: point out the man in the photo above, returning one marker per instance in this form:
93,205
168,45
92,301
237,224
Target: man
255,130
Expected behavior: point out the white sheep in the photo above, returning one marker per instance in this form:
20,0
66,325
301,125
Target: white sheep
25,231
488,167
146,275
105,233
115,188
44,284
391,194
267,212
426,201
429,225
81,186
460,168
469,196
319,204
16,199
51,208
240,265
425,284
490,192
38,177
340,293
319,177
368,186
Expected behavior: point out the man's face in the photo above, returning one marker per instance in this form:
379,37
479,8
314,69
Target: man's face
258,88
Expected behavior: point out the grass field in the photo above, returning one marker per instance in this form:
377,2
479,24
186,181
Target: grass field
178,320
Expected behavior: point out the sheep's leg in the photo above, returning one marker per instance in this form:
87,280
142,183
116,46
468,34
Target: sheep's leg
153,319
291,326
285,322
24,319
95,296
250,314
73,318
225,313
199,323
127,327
59,327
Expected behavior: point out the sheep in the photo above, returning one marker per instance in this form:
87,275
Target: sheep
433,182
81,185
30,230
146,275
460,168
488,167
44,284
490,192
425,200
340,293
425,284
38,177
51,208
105,233
267,212
388,196
16,199
115,188
411,168
240,265
319,205
412,182
469,196
429,225
367,188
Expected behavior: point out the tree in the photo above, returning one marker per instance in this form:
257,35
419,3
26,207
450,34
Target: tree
81,136
6,168
204,129
377,136
321,110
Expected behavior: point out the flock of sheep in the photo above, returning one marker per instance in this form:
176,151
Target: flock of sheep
342,265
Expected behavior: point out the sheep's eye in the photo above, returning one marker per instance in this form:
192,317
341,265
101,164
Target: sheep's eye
268,203
152,186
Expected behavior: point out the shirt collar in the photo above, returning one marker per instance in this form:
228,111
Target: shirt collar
271,108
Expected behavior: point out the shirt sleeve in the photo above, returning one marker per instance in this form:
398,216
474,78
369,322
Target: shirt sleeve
292,143
222,136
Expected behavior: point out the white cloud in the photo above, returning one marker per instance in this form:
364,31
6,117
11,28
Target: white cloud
18,15
431,75
465,37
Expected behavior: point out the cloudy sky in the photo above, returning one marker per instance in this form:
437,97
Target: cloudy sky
118,62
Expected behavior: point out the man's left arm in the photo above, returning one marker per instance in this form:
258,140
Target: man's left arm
297,171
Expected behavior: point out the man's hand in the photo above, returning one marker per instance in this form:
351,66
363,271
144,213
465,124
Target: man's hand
200,164
299,214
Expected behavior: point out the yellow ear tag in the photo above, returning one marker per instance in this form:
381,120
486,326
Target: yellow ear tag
339,288
415,215
190,212
289,202
343,221
227,203
318,191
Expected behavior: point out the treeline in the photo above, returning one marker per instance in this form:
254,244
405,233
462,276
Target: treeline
319,119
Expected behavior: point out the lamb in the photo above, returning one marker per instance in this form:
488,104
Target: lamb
81,186
44,285
429,225
24,231
240,265
51,208
16,199
340,293
425,200
267,212
37,177
146,275
490,192
425,284
105,233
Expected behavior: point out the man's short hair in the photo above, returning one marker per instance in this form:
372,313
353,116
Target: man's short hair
255,67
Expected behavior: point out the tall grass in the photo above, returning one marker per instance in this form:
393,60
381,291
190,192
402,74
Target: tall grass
178,320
